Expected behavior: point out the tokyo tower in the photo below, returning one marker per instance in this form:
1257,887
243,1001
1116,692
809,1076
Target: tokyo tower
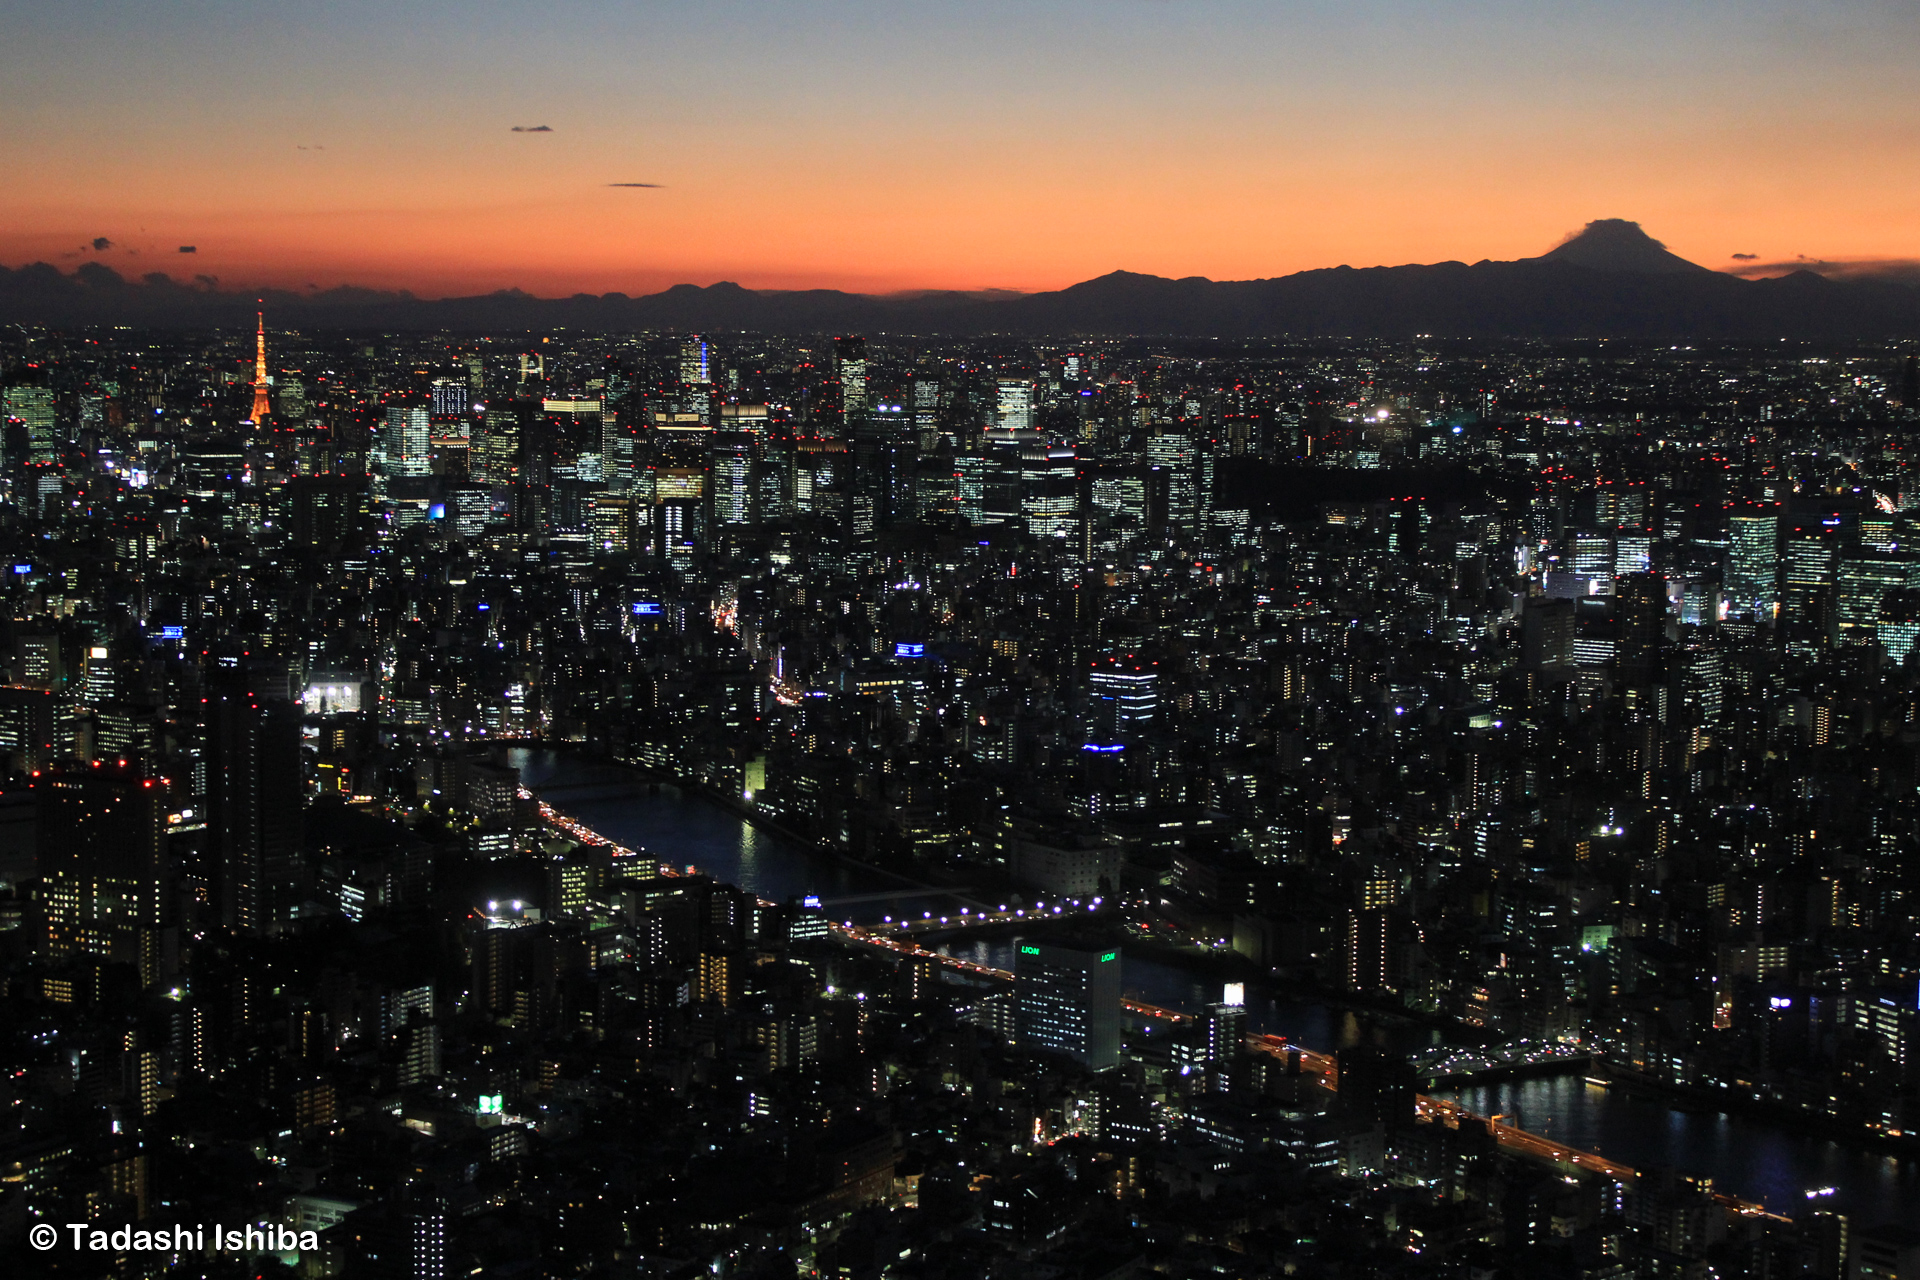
261,406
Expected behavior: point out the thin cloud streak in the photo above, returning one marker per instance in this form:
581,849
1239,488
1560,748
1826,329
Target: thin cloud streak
1886,270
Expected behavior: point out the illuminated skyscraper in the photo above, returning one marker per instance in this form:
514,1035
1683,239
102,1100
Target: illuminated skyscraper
926,411
29,402
1808,562
681,531
850,366
1016,404
1174,455
449,398
407,441
1593,554
1753,563
970,486
732,483
496,454
1068,1001
1126,697
695,366
1898,627
1049,490
1863,581
616,452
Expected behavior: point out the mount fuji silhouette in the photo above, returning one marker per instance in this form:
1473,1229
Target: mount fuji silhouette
1614,244
1611,279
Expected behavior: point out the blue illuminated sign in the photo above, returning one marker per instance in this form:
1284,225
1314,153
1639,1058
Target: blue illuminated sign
646,607
23,568
1104,748
173,633
905,650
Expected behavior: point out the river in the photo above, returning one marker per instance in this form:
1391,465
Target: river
1746,1156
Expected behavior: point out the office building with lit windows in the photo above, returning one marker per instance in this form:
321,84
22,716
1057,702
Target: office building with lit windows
1068,1002
102,856
1126,699
406,442
1753,563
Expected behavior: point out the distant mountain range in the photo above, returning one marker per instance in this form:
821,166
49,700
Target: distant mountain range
1610,280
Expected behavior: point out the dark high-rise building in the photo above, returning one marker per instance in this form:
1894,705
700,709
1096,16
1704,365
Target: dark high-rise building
1368,934
1886,1252
102,857
254,799
27,718
1547,630
1377,1086
325,510
1640,613
427,1251
1068,1002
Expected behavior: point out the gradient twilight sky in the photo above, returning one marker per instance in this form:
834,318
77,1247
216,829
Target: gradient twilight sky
930,143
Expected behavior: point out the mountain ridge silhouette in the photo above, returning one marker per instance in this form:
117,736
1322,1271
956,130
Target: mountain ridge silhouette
1611,279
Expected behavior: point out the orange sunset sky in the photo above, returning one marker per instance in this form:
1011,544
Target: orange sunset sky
938,145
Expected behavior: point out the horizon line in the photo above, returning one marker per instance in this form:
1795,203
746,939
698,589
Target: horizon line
1895,270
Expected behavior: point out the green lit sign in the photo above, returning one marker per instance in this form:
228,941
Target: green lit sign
1111,955
1029,951
490,1103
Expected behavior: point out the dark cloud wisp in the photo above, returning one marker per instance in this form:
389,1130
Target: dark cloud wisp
1745,257
189,248
533,128
1884,270
655,185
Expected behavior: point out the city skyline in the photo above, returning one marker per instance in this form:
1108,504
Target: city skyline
623,804
928,642
849,146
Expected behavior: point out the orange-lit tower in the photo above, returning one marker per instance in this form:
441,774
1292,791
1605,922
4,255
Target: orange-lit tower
261,406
